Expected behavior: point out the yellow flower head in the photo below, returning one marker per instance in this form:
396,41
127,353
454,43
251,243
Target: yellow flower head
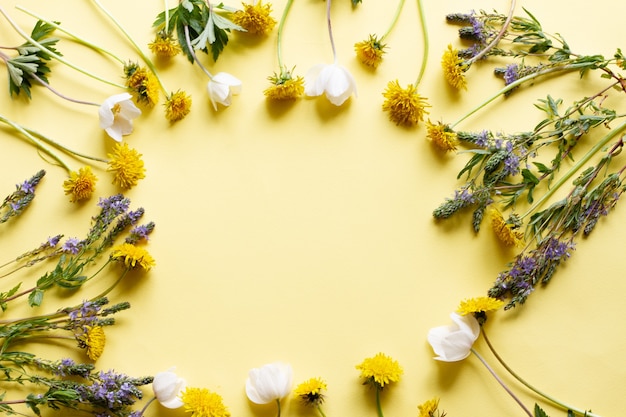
93,340
255,18
126,165
370,51
133,256
441,136
479,305
454,68
164,46
380,370
178,106
506,231
80,185
203,403
405,106
429,408
143,83
284,87
310,391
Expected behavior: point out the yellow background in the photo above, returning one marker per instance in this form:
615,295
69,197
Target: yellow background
303,232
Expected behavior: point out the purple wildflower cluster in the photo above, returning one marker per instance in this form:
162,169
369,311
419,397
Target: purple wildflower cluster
112,391
528,270
15,203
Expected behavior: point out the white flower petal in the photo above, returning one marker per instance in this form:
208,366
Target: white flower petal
269,383
222,87
116,115
334,80
167,387
453,343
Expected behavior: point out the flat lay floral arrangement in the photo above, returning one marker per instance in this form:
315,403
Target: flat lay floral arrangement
539,191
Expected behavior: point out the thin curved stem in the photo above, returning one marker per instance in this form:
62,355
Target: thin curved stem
529,386
108,290
72,35
193,53
143,56
63,147
379,408
55,55
278,406
319,409
35,142
330,31
394,20
495,40
426,43
59,94
502,384
279,35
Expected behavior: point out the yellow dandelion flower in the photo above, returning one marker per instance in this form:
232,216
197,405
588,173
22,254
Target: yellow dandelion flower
405,106
164,46
284,87
203,403
143,83
178,106
133,256
126,165
93,340
370,51
506,232
80,185
255,18
454,68
479,305
380,370
429,408
441,136
310,391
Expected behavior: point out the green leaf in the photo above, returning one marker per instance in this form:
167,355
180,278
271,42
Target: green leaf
35,298
542,168
539,412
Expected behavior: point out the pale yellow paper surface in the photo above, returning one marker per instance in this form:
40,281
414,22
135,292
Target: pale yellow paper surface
303,233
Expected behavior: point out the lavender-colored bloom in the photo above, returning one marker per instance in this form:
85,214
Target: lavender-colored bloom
555,249
478,28
511,74
483,139
112,390
114,206
52,241
464,195
511,164
72,245
86,314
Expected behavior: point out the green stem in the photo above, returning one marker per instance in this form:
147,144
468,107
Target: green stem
495,40
35,142
55,55
426,42
575,168
278,406
379,407
108,290
143,56
72,35
567,67
63,147
279,36
492,372
529,386
319,409
394,20
330,31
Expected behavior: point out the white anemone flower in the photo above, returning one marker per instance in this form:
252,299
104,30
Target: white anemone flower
117,114
454,342
167,387
271,382
222,87
333,80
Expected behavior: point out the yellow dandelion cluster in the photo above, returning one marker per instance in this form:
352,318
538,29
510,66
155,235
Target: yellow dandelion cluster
80,185
284,87
370,51
429,408
255,18
93,340
454,68
441,136
203,403
178,106
479,305
380,370
310,391
405,106
164,45
143,83
507,233
126,165
133,256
